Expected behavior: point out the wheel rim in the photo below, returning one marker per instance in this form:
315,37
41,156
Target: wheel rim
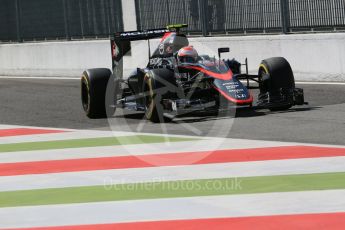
149,102
264,88
85,96
263,72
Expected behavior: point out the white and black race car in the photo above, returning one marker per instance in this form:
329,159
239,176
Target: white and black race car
177,81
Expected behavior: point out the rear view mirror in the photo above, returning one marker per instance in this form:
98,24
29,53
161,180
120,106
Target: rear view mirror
223,50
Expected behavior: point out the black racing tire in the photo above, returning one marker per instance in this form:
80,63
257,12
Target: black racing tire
276,74
97,93
156,86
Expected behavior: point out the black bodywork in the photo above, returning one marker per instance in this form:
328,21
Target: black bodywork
208,84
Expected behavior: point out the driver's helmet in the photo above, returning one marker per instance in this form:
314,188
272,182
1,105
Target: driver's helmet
187,55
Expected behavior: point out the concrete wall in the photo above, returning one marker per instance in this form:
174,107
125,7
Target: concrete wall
314,57
65,59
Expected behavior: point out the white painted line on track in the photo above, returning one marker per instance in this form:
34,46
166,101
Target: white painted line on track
308,83
40,78
5,126
270,204
173,173
75,79
107,129
8,126
64,136
320,83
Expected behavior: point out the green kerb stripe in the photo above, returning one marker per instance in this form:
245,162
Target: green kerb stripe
214,187
92,142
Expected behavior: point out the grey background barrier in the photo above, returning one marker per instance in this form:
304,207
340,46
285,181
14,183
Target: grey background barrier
27,20
314,57
243,16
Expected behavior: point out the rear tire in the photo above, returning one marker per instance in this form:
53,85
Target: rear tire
276,74
97,93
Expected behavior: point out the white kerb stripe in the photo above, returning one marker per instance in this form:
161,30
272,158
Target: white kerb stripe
174,209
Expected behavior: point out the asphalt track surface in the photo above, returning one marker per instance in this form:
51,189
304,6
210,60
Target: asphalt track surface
56,103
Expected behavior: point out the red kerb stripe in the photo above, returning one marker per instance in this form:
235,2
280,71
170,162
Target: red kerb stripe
334,221
26,131
174,159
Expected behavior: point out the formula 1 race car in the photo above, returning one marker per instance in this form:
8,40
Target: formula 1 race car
178,81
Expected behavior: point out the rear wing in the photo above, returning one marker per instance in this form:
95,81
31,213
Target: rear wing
148,34
141,35
121,43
